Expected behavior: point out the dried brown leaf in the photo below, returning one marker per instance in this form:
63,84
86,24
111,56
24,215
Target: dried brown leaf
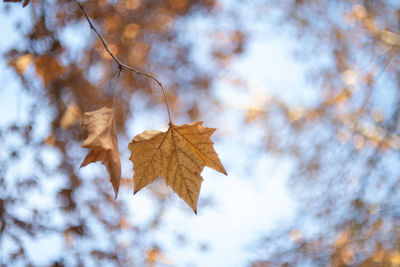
102,142
70,116
50,140
178,155
48,69
22,62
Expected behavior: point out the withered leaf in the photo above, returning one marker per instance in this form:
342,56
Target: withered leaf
21,63
178,155
48,69
26,2
70,116
102,142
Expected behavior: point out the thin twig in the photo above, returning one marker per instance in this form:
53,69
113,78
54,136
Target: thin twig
115,84
122,65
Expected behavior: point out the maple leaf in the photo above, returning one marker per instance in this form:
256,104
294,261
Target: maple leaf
178,155
102,142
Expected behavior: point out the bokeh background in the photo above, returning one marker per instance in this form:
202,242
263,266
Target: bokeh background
305,98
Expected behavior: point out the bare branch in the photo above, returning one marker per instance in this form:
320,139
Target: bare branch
122,65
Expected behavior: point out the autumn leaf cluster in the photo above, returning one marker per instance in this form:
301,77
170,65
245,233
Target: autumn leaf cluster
178,155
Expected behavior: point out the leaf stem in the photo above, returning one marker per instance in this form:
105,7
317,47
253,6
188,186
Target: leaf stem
115,84
122,65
